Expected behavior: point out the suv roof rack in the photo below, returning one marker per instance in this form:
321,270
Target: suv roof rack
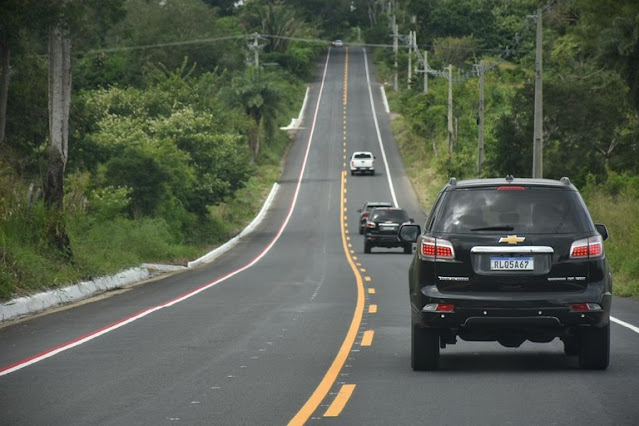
452,181
565,180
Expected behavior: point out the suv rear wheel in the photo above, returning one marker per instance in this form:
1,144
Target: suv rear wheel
594,351
424,349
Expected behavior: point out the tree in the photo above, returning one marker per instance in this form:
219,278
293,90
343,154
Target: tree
260,99
59,109
17,16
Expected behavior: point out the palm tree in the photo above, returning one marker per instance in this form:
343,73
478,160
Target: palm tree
261,99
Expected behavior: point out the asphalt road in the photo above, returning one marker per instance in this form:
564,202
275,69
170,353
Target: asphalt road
295,324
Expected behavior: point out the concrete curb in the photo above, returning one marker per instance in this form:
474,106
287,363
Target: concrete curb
295,122
23,306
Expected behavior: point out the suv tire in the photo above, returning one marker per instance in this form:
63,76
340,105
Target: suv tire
408,248
367,247
424,354
594,351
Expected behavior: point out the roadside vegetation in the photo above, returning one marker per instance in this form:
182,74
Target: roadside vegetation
590,94
174,136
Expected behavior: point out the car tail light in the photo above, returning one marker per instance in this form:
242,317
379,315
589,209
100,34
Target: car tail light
587,248
439,307
370,225
366,214
436,249
585,307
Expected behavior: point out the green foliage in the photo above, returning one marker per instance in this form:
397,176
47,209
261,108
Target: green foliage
622,192
109,201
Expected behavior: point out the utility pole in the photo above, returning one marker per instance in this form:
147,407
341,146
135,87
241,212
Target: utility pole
480,120
450,111
410,57
256,47
395,37
425,71
538,143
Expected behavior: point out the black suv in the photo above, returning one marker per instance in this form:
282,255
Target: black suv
365,212
382,229
510,260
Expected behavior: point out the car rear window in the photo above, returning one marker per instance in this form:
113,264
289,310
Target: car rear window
362,156
370,207
533,210
390,215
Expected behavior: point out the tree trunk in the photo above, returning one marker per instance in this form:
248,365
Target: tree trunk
59,106
4,85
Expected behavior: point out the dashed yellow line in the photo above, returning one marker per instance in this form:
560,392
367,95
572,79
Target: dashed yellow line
367,340
372,309
340,401
371,291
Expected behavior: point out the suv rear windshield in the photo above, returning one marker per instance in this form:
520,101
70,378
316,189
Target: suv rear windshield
390,215
363,156
533,211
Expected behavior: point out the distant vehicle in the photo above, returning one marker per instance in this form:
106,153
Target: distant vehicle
363,162
382,229
338,43
510,260
365,212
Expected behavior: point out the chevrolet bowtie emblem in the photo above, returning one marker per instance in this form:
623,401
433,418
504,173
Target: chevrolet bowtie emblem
512,239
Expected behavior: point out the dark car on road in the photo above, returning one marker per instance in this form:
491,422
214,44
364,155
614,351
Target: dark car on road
365,212
382,229
510,260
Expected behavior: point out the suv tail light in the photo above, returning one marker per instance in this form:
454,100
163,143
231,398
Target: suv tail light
436,249
370,224
587,248
585,307
366,214
439,307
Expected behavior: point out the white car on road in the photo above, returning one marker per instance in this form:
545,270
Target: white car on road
363,162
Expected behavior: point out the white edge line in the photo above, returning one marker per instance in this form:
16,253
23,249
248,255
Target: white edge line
379,135
384,99
65,346
625,324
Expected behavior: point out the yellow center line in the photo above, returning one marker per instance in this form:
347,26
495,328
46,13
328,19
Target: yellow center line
338,363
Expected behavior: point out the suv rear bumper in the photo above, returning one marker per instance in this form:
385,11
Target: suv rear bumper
381,240
513,311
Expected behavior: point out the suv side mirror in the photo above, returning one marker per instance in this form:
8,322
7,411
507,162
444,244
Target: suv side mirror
409,233
603,230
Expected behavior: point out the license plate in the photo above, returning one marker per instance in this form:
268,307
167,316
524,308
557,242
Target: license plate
512,264
388,228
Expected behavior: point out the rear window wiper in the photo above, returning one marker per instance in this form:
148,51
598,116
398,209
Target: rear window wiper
495,228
